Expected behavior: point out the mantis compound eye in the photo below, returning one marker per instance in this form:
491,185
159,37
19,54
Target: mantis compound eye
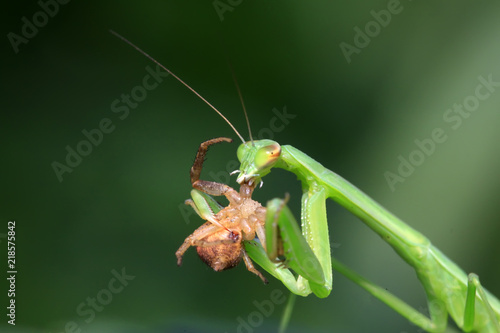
267,156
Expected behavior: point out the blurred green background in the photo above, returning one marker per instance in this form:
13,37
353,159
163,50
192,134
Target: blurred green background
122,206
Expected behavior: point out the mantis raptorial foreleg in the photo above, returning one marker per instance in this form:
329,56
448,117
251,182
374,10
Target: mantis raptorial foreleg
315,231
282,232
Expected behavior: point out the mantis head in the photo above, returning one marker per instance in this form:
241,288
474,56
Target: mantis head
257,159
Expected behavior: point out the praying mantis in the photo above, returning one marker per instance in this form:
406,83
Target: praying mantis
308,264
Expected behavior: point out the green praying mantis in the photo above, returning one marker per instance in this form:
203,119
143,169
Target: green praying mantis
300,257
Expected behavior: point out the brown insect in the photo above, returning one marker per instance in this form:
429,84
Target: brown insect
219,241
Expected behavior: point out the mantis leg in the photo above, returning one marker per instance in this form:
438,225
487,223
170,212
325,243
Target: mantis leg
315,231
284,237
205,206
287,314
438,314
282,232
473,284
257,253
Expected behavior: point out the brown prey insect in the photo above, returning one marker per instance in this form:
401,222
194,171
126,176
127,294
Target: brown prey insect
219,241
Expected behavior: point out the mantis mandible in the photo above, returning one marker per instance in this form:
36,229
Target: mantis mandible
448,288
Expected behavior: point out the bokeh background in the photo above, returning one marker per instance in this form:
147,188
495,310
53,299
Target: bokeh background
122,206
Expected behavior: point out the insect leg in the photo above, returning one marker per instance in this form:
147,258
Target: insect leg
281,224
257,253
205,206
315,230
439,314
208,187
251,267
205,230
473,284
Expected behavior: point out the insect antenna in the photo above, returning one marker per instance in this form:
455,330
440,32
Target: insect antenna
178,79
242,102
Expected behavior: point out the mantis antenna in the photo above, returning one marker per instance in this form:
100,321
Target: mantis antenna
242,102
184,83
